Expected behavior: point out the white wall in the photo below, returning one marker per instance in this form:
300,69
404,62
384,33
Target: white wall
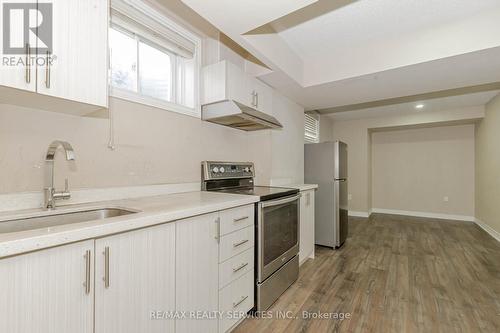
287,154
153,146
325,128
488,167
415,169
356,134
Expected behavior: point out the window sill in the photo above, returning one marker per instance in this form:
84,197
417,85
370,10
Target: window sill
154,102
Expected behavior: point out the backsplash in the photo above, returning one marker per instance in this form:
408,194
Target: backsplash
153,146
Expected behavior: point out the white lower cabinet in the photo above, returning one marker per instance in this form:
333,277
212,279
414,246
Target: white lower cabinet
236,269
196,270
214,271
235,300
306,245
135,277
236,243
44,291
143,280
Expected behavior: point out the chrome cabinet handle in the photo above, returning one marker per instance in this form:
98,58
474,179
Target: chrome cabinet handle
86,284
239,268
241,219
47,71
217,234
254,94
106,267
240,301
256,99
28,63
240,243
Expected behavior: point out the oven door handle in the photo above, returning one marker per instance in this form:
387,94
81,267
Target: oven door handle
279,201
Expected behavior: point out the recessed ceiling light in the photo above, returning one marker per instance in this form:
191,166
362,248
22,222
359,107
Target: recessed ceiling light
419,106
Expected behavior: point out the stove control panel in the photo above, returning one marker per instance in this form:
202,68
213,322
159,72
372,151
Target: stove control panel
224,170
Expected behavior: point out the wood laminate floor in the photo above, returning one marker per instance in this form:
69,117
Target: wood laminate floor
396,274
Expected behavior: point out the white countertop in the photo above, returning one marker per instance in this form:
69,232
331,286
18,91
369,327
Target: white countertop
152,210
301,187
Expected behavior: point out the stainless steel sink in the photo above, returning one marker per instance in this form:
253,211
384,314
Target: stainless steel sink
60,218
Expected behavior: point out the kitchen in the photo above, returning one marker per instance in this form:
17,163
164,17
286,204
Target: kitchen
93,126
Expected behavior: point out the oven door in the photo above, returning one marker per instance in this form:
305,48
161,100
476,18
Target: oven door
278,234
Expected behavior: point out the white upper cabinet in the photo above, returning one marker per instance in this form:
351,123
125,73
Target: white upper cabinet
49,291
263,97
226,81
65,54
16,69
78,70
135,275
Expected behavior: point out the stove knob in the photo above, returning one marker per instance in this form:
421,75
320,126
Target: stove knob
221,169
247,169
215,170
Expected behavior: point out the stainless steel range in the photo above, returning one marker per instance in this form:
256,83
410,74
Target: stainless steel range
276,226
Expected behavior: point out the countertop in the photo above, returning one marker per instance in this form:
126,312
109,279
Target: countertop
151,211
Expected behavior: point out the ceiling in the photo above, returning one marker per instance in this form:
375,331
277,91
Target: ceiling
375,21
429,106
330,53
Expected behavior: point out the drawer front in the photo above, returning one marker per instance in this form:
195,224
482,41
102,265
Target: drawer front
235,300
236,219
236,243
236,267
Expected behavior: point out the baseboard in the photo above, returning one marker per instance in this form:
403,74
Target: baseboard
425,214
492,232
358,214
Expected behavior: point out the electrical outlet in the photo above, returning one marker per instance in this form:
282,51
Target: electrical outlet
446,199
349,197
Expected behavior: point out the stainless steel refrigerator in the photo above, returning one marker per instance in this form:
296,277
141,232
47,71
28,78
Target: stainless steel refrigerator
326,165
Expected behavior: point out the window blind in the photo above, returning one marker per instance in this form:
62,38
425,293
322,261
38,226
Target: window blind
311,126
135,22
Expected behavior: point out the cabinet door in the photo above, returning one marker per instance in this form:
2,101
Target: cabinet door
306,226
16,71
239,85
78,70
135,276
44,291
197,265
264,97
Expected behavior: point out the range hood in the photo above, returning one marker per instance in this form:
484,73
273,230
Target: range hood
236,115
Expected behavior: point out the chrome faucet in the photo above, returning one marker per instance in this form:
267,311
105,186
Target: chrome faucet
51,195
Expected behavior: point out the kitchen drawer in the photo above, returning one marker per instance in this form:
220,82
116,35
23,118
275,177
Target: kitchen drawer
236,219
236,267
236,300
236,243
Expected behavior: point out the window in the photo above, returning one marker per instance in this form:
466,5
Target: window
152,60
311,126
